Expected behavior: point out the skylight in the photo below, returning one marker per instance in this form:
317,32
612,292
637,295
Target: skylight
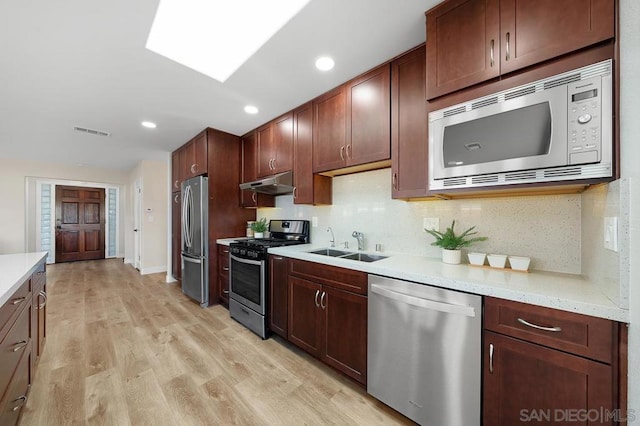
215,37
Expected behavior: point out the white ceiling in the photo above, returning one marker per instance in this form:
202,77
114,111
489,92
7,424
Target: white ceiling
83,63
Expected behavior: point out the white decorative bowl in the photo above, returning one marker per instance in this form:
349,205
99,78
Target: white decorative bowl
476,258
497,260
519,263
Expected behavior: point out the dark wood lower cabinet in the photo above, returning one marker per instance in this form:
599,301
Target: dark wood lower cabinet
278,295
223,274
15,398
524,381
328,322
345,332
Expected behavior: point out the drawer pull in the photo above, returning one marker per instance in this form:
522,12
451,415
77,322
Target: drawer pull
539,327
18,300
225,291
19,345
491,358
225,268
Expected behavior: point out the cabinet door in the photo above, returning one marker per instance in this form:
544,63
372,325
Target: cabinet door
369,117
176,175
265,151
278,295
223,274
409,143
463,45
308,188
15,398
345,337
525,382
283,143
176,235
329,131
534,31
197,155
305,316
249,173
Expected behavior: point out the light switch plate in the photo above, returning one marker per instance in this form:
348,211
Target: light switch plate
431,223
611,233
314,221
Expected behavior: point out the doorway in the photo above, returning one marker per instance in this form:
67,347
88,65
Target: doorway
80,223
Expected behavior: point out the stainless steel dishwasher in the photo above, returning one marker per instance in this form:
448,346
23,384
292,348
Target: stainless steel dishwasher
424,351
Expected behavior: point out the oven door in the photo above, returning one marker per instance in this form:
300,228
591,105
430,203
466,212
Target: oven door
247,282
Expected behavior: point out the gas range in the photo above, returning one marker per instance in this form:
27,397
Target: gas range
283,233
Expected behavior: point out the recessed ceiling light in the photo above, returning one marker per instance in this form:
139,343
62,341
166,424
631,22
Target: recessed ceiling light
250,109
149,124
324,63
217,37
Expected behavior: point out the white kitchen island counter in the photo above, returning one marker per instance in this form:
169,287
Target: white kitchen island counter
15,269
566,292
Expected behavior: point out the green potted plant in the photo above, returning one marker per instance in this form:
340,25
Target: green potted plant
260,227
452,244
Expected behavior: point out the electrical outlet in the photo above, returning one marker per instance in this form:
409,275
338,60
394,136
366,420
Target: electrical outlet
611,233
314,221
431,223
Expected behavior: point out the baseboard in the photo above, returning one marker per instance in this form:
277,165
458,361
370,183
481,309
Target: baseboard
128,261
153,270
170,279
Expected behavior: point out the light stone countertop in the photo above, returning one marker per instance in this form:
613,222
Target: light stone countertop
227,241
566,292
15,269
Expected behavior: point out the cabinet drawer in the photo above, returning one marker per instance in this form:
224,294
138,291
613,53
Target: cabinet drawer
570,332
39,277
342,278
16,397
15,343
11,306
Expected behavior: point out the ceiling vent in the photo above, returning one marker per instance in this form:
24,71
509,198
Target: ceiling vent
91,131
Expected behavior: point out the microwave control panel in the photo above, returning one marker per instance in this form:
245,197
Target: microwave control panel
584,120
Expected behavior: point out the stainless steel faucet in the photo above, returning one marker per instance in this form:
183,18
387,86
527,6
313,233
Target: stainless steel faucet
333,238
360,237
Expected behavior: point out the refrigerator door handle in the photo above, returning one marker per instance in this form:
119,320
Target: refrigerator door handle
191,260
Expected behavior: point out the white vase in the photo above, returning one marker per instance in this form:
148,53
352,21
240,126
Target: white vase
451,256
258,235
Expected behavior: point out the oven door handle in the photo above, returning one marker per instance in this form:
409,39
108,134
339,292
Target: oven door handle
247,261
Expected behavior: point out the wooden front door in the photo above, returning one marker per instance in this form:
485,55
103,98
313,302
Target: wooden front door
79,223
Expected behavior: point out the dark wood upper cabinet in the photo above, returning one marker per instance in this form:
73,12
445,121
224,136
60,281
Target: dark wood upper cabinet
368,122
176,171
352,123
196,156
309,188
249,173
275,146
329,130
463,45
409,125
534,31
471,41
176,235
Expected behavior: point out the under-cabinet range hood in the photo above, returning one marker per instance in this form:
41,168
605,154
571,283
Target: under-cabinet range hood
282,183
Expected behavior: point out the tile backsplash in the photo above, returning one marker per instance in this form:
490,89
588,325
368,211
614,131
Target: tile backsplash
545,228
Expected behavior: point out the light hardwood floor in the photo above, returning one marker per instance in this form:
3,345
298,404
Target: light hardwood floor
128,349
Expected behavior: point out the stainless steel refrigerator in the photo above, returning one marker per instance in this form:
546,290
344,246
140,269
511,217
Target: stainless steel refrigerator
195,252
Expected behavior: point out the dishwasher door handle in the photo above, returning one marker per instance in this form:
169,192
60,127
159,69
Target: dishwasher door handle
423,303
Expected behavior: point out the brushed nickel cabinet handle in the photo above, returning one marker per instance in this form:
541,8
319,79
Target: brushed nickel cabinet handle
348,150
394,181
194,167
342,153
254,198
539,327
44,296
508,55
322,305
176,198
275,163
316,299
491,358
491,51
225,268
22,399
18,300
277,258
225,291
295,192
176,185
19,345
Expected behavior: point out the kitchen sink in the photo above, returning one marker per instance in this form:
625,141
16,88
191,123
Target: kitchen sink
330,252
361,257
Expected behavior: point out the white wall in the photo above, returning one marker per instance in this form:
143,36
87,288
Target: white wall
630,149
18,208
153,176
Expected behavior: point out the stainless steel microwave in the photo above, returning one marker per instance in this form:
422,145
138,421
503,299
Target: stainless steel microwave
555,129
